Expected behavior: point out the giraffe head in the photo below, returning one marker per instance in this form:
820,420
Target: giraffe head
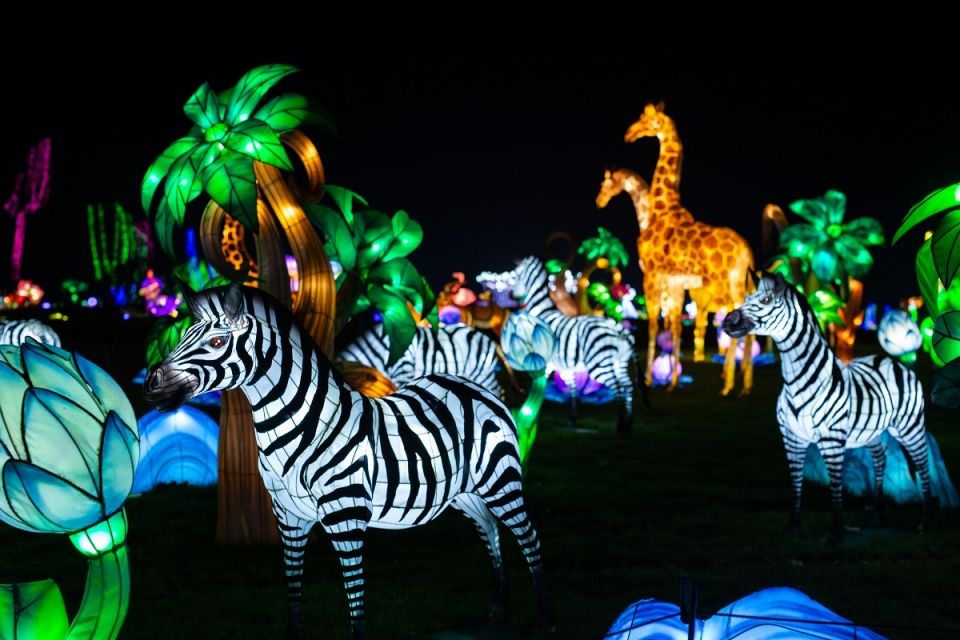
620,180
653,122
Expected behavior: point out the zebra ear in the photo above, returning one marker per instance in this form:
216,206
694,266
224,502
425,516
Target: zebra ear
779,283
233,302
754,276
191,298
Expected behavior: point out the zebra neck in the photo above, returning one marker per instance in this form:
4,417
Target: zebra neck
295,393
806,361
538,301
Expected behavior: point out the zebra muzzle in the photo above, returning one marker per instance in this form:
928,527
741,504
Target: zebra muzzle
736,324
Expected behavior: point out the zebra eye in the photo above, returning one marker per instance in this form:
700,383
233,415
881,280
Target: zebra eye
217,342
765,300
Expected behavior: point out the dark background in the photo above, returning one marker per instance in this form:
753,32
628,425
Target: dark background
493,128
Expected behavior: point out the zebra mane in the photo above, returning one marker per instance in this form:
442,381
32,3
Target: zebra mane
232,302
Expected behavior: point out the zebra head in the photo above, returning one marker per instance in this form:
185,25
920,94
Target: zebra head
530,276
213,354
766,311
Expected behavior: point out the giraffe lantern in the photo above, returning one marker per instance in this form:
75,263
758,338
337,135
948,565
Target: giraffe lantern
679,253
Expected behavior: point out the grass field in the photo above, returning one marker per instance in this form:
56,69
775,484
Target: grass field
699,488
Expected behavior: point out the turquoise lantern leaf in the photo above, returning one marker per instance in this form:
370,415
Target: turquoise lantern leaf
62,437
257,140
106,390
940,201
13,387
158,170
801,240
251,88
855,257
288,111
835,203
203,107
233,186
927,279
946,335
825,265
44,502
945,248
119,454
813,211
867,230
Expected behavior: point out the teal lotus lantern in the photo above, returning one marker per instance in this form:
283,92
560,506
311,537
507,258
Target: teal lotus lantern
528,344
69,447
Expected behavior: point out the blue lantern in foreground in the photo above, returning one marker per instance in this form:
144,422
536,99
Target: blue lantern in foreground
177,447
69,451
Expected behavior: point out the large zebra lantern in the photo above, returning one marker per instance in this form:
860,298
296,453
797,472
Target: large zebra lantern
16,332
829,404
329,455
455,349
600,345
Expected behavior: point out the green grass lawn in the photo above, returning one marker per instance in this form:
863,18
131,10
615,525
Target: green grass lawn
699,488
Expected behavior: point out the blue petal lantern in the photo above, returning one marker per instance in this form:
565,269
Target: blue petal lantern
528,343
898,333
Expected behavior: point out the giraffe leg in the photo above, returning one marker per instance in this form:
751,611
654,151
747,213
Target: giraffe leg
879,456
730,368
915,445
293,538
676,326
746,365
504,498
700,329
472,506
653,327
346,528
796,451
832,450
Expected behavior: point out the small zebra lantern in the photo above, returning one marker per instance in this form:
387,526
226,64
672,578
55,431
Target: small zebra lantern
332,457
898,334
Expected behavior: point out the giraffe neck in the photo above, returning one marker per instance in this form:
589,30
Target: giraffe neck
666,177
634,187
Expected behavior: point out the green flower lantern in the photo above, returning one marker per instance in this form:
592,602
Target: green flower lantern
833,250
69,447
528,344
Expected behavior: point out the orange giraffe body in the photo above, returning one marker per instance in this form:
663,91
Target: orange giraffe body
711,262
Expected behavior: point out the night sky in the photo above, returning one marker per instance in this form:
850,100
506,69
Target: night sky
494,130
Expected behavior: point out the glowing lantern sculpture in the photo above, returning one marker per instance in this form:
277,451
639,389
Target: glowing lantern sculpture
236,153
528,344
30,193
827,259
679,253
937,264
774,613
69,449
177,447
899,335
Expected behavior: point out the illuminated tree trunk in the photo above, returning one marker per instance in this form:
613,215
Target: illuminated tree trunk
852,314
244,514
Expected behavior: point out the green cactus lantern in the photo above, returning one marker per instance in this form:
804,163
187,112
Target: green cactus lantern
528,344
68,448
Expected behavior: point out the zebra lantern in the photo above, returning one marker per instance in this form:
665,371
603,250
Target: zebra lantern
332,457
829,404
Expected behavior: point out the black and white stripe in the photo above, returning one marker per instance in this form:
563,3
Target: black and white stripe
329,455
455,349
829,404
600,345
16,332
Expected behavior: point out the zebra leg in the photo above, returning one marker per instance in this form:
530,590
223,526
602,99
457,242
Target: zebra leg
346,531
879,456
293,538
832,451
472,506
569,378
504,498
915,444
624,388
796,453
